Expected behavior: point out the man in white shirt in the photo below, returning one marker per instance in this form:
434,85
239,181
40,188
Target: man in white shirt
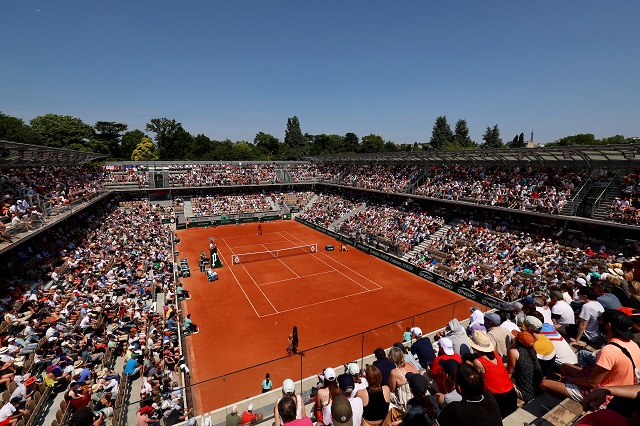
561,312
587,326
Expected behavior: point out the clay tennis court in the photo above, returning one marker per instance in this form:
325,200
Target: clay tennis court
246,316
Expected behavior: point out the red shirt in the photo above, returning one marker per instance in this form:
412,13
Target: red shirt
247,417
496,378
436,369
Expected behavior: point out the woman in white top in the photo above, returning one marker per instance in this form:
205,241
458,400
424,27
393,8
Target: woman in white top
289,389
398,384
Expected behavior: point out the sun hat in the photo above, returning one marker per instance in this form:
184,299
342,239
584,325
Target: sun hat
341,412
480,341
288,386
446,344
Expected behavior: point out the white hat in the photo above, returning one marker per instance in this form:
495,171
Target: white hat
581,281
329,374
288,386
234,409
446,345
250,407
416,331
353,368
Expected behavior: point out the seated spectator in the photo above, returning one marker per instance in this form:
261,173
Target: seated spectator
249,417
299,411
613,367
384,364
477,407
422,348
587,326
500,336
398,383
375,398
494,374
445,352
448,393
523,366
422,408
287,408
561,312
545,350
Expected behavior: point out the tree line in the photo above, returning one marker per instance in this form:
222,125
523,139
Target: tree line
172,142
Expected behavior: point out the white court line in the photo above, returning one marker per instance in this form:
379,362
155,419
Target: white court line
237,281
349,278
253,245
302,276
245,294
339,263
320,303
287,266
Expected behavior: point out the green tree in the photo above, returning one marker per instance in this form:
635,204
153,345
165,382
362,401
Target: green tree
110,133
615,140
351,143
224,150
14,129
372,143
200,147
61,131
145,151
295,145
492,138
243,151
441,133
129,142
517,142
461,135
267,143
581,139
170,137
390,146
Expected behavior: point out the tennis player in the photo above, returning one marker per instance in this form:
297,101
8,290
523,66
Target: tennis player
259,228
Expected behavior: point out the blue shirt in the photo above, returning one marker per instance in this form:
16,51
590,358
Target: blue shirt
130,367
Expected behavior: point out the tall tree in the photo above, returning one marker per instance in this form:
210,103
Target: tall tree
441,133
581,139
199,148
521,141
145,151
517,142
269,144
243,151
109,133
129,143
295,145
169,135
461,135
492,138
372,143
61,131
14,129
351,143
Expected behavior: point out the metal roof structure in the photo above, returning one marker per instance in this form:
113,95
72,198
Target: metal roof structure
14,154
614,155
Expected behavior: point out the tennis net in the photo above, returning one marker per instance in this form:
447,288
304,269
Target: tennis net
274,254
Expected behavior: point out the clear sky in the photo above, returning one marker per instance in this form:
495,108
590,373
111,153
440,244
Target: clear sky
231,69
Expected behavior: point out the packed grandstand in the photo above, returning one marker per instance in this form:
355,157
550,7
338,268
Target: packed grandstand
91,305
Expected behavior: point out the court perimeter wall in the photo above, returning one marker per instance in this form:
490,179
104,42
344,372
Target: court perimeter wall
432,277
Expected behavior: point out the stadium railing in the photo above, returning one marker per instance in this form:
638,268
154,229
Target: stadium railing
222,391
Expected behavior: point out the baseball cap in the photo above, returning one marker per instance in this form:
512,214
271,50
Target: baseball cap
446,345
556,294
492,318
533,323
620,322
526,339
341,412
449,366
346,383
250,407
516,306
353,368
417,383
416,331
329,374
528,299
234,409
474,308
288,386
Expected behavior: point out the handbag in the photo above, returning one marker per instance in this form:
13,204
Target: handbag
393,415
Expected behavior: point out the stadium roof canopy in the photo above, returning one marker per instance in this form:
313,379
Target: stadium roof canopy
619,155
14,154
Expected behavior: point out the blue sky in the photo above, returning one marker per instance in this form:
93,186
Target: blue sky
232,69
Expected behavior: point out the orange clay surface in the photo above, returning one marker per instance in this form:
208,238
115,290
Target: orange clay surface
246,316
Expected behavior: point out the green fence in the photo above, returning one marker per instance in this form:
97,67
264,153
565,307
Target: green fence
458,288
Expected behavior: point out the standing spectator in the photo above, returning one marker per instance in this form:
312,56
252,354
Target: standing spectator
422,348
494,373
478,407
